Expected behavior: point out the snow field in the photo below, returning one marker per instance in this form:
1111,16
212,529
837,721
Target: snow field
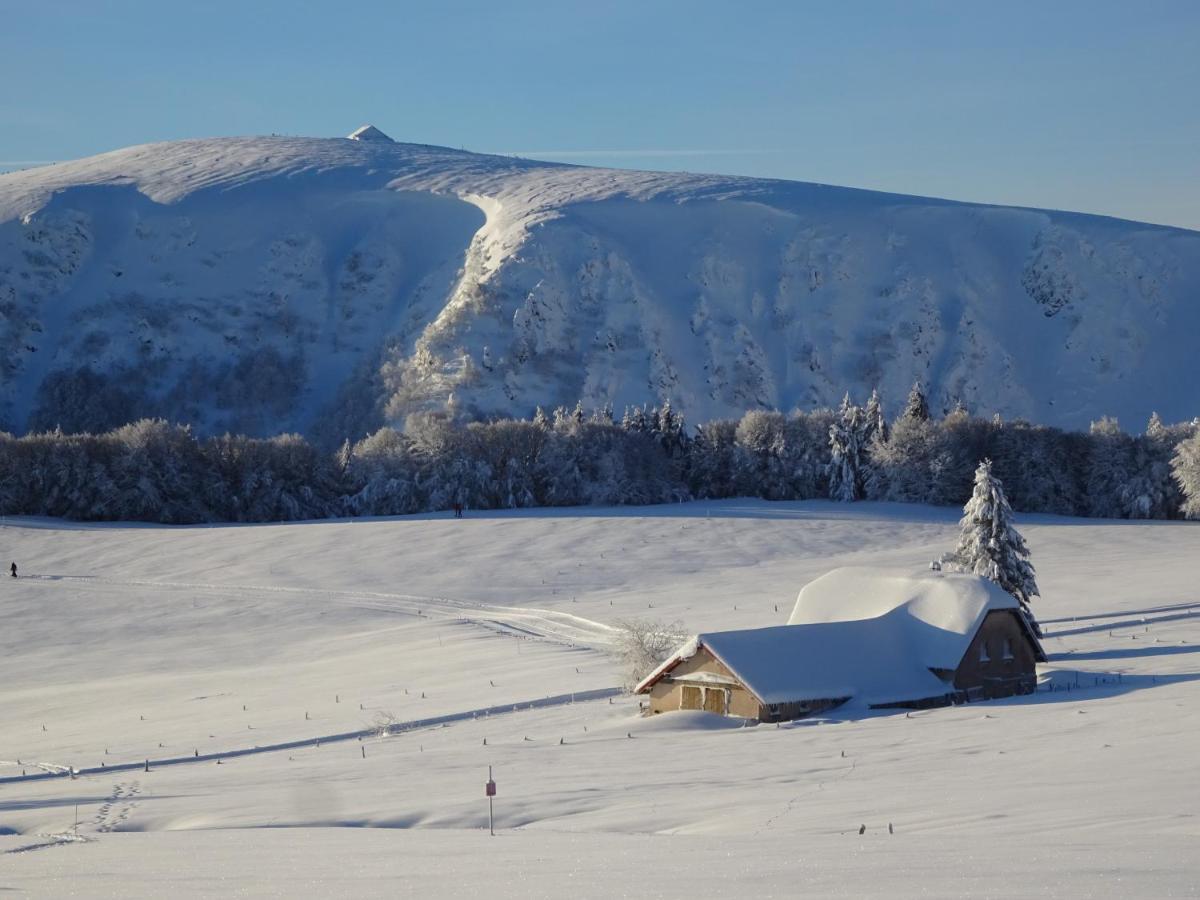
1089,791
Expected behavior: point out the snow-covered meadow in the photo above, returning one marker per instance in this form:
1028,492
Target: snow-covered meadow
121,644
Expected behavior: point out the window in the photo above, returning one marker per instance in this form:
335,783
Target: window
1008,649
983,653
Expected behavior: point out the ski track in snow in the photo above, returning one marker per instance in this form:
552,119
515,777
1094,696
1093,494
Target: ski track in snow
531,622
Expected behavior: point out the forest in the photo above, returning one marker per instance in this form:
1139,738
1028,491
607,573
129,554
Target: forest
155,471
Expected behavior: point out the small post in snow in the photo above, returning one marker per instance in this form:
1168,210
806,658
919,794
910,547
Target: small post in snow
490,790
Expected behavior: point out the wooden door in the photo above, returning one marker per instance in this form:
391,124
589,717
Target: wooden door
691,698
716,700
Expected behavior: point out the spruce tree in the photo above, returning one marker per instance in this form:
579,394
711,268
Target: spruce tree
989,545
875,426
916,407
846,453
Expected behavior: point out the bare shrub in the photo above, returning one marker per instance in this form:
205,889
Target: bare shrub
642,644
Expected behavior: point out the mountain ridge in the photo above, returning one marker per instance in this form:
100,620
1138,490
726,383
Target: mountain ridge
329,285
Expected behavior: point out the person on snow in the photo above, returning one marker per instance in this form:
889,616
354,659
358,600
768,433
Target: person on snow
12,570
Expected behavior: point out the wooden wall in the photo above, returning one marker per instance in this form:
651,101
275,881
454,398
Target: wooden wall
997,676
667,695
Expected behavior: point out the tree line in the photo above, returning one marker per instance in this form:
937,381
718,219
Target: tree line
155,471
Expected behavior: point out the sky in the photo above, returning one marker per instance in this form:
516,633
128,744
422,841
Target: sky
1089,106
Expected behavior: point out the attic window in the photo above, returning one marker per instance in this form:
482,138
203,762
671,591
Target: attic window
983,654
1008,649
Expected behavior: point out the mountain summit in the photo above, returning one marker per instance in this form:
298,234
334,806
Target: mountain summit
328,286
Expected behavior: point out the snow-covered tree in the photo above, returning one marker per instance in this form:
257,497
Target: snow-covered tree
635,419
916,407
382,476
761,468
602,415
875,426
671,431
1186,469
959,443
510,451
846,453
1110,457
642,644
989,544
713,460
900,467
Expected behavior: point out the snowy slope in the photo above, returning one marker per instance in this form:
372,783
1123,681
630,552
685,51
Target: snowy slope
122,639
323,285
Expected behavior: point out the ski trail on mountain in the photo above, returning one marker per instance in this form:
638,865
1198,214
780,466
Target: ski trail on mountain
526,621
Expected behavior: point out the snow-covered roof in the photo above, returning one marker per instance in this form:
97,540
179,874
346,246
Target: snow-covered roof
952,602
870,634
369,133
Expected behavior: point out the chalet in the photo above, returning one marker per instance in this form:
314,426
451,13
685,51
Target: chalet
874,637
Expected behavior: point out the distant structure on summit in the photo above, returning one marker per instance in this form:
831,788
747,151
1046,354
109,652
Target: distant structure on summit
369,133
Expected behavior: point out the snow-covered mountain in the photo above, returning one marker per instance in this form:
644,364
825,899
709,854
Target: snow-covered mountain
328,285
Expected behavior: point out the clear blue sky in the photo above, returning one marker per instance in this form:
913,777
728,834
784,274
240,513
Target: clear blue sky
1093,106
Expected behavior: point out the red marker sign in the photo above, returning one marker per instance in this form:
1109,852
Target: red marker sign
491,789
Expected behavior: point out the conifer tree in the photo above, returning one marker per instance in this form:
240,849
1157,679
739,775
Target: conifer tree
989,545
875,426
916,407
846,453
671,432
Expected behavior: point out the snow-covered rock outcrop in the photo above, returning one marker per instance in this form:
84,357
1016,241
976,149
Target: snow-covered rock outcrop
323,285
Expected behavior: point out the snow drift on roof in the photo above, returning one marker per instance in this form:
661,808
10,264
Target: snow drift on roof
948,601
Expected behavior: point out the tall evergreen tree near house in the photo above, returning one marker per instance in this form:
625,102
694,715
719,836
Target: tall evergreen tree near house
989,544
846,453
